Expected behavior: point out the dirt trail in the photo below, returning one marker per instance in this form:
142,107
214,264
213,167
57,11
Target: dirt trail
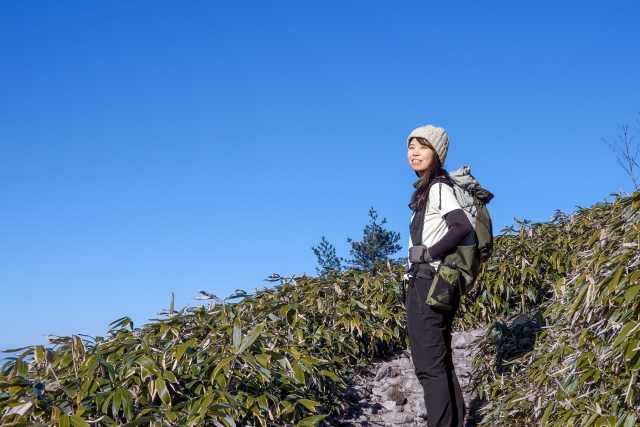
389,394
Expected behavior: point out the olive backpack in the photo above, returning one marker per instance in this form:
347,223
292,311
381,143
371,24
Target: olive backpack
476,247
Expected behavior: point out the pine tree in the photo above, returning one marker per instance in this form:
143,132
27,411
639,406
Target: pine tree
376,246
327,259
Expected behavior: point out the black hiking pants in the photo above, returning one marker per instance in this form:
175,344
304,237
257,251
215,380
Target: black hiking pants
430,342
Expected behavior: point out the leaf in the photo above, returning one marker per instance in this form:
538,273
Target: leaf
624,332
592,420
148,364
110,370
39,354
127,404
330,375
14,350
64,421
631,349
631,293
237,333
298,373
616,278
292,317
263,360
105,404
594,237
182,348
116,402
76,421
91,364
121,321
169,376
547,414
630,421
224,362
262,402
162,391
141,420
309,404
21,369
227,421
55,413
251,337
312,421
78,347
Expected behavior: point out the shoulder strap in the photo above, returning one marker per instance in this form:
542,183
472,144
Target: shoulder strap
417,225
417,222
444,179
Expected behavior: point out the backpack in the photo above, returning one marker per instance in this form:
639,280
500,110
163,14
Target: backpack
476,247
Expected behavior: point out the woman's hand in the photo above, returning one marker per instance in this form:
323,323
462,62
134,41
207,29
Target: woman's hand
419,253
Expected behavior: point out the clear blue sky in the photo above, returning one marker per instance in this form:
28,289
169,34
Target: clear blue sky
153,146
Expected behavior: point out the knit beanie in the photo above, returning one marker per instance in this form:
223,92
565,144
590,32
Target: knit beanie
436,136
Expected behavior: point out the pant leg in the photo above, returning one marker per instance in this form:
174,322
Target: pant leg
430,342
454,384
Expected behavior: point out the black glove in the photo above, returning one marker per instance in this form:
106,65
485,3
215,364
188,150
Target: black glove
419,253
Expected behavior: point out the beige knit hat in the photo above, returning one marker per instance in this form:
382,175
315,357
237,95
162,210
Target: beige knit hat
436,136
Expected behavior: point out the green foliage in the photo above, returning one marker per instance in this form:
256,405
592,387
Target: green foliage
578,362
328,261
378,243
518,276
280,357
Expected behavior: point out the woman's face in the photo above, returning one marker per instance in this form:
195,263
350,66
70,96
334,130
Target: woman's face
420,156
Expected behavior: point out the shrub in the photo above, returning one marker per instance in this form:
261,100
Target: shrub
283,356
524,264
583,367
278,357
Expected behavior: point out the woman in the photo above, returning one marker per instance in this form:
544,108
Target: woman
438,224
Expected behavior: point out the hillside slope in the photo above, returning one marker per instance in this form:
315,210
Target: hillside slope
575,362
284,356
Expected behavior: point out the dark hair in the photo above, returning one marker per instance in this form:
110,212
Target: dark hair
420,197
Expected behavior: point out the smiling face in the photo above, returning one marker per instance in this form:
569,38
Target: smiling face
420,156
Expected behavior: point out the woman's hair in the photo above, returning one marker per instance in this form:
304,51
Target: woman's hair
421,195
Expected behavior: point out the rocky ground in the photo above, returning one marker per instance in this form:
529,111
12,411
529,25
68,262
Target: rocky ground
389,394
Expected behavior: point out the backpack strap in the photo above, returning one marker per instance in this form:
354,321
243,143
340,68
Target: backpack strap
417,222
444,179
417,225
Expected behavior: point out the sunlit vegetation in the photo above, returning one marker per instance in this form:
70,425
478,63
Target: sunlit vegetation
575,362
279,357
283,356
